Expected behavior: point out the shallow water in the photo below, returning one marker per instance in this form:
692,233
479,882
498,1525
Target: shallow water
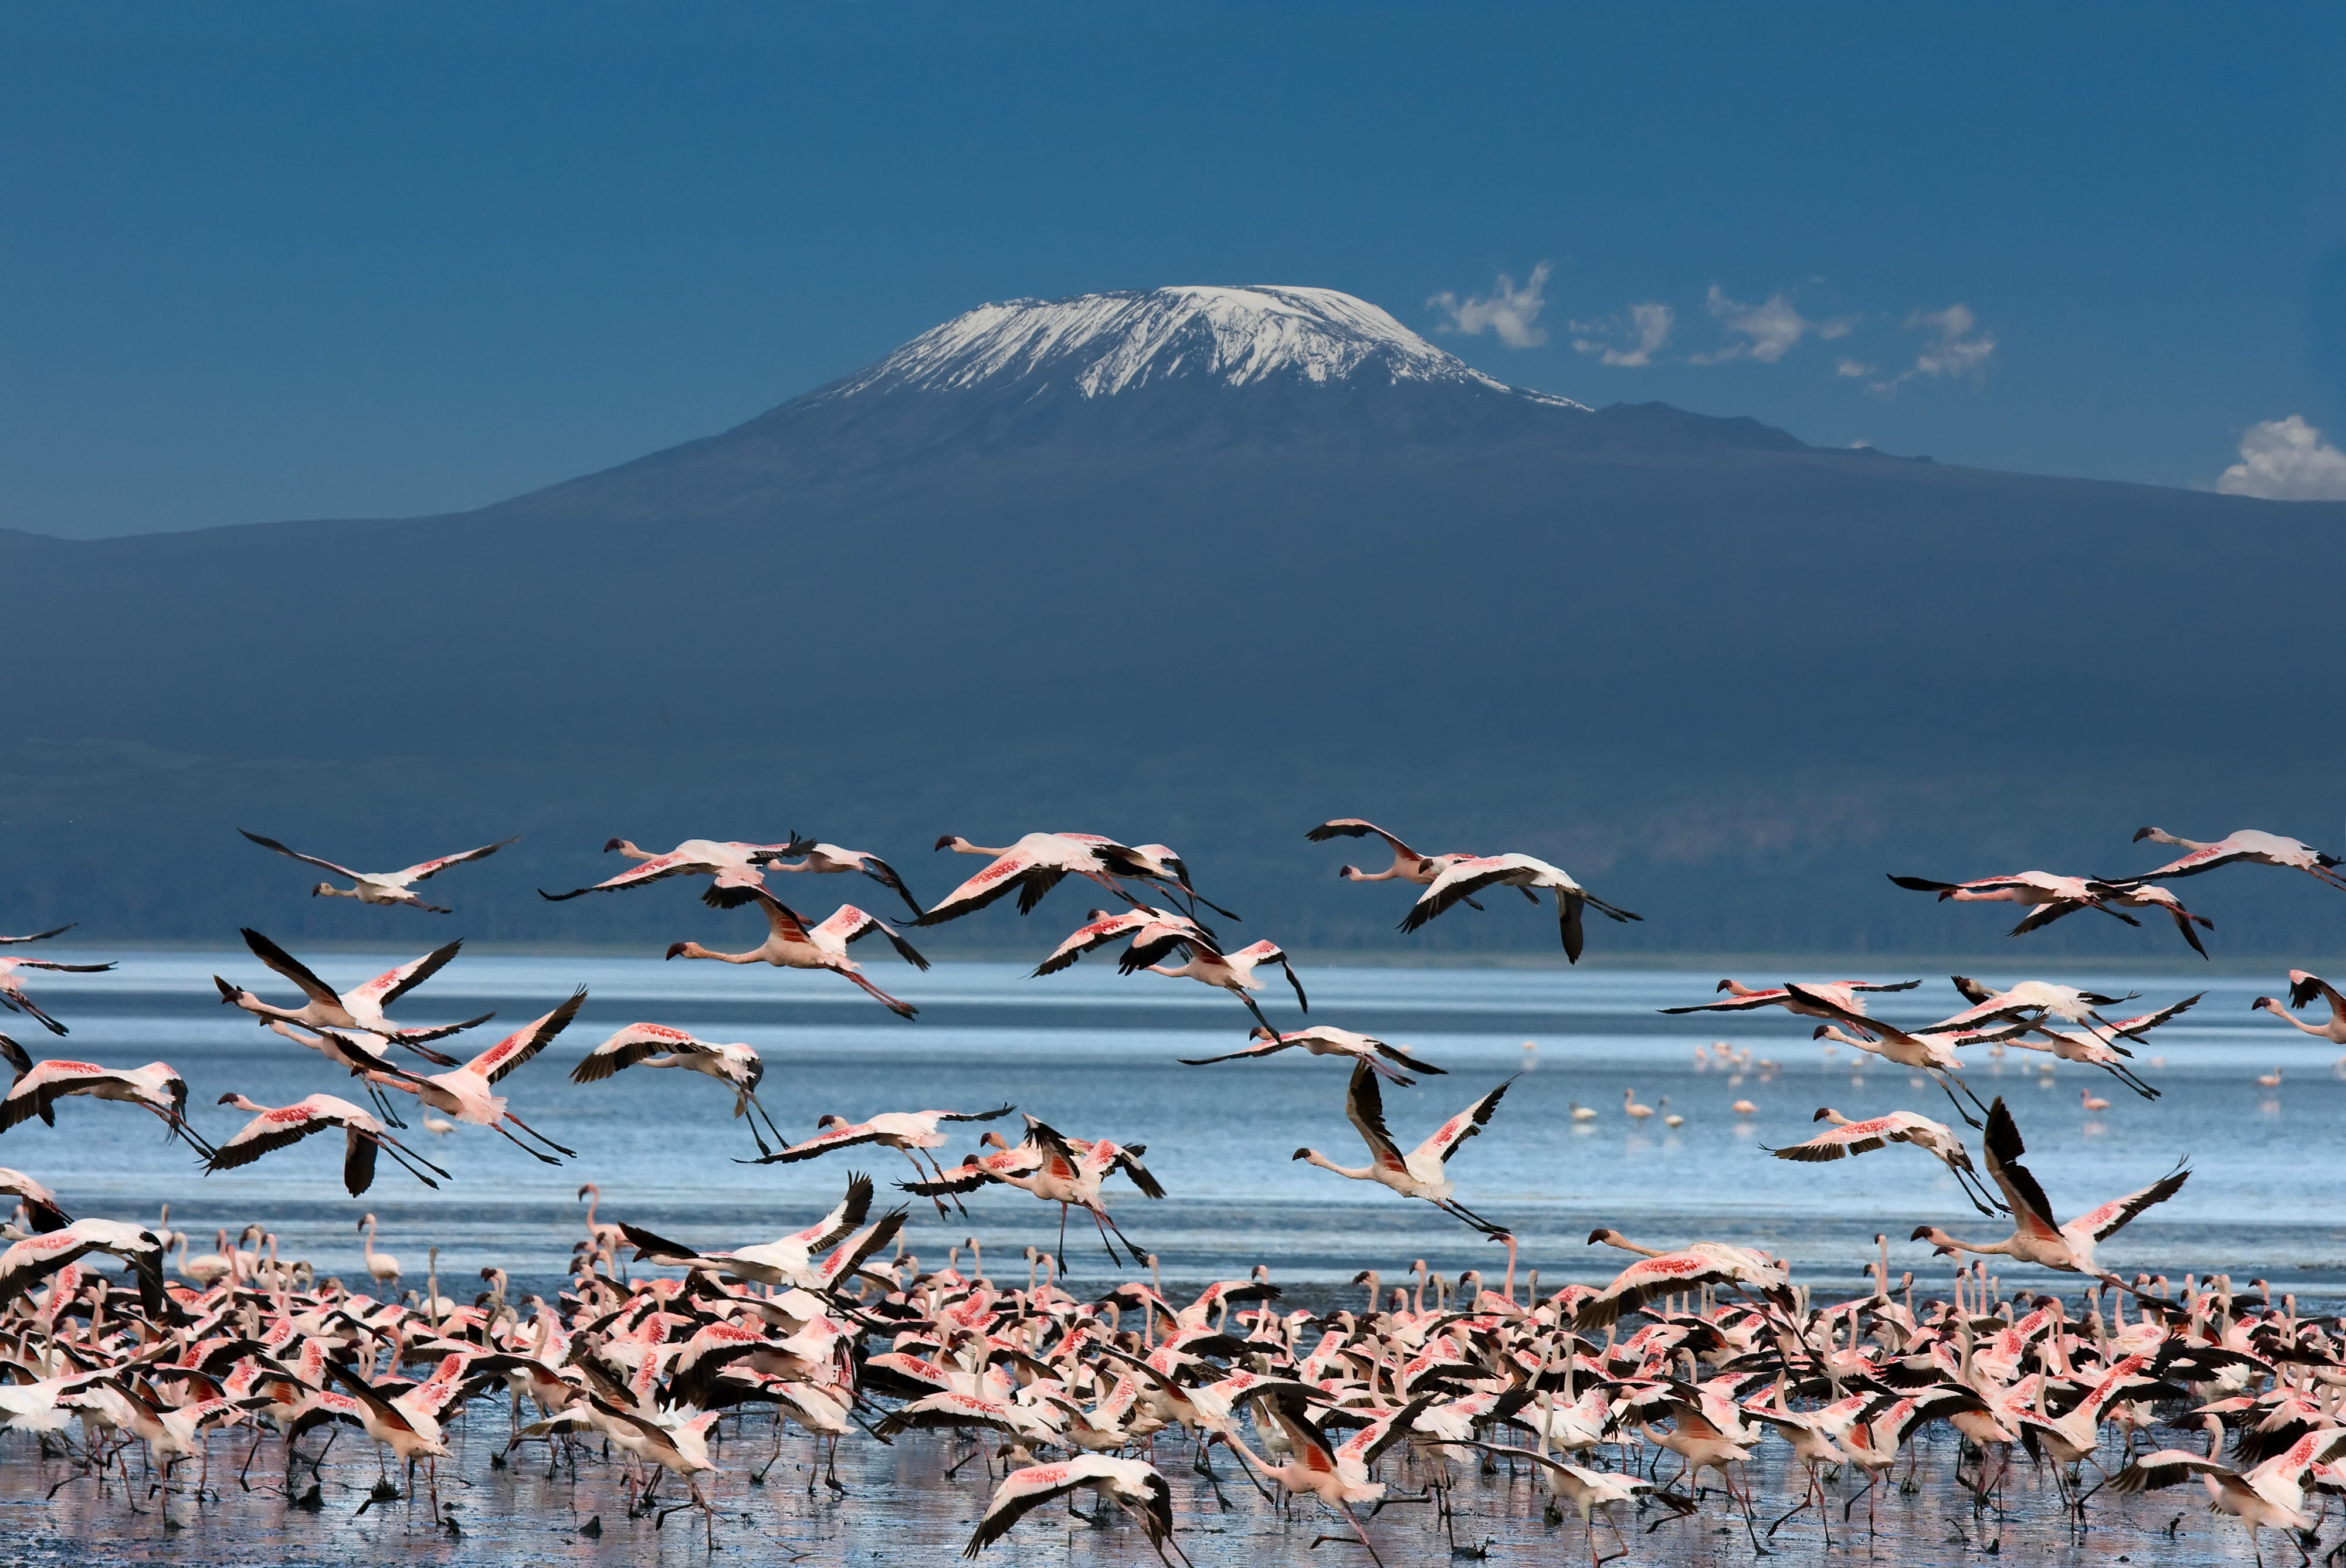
1094,1053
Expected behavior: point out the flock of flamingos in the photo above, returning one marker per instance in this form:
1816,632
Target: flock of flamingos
1692,1358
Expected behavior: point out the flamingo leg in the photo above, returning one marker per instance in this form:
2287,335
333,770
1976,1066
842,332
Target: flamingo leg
541,1137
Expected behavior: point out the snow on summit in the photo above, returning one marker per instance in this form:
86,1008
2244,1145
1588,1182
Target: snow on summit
1103,344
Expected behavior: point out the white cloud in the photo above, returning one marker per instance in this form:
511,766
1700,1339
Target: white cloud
1852,367
1648,324
1769,329
1508,310
1957,347
2286,460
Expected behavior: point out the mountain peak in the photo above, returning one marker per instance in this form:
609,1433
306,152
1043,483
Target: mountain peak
1099,345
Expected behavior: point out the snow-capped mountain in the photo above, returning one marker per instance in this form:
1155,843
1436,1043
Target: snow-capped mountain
1101,345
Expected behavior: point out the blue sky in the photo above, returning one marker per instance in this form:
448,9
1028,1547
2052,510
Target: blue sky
367,259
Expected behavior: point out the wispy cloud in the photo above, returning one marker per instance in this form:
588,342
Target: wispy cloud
1631,343
1769,331
1957,347
1853,368
2286,460
1511,313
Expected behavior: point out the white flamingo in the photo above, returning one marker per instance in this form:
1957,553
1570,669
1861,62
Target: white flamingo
1465,878
791,943
382,887
380,1266
2303,987
830,860
1322,1040
1423,1171
360,1010
1844,1001
1408,865
274,1127
2246,847
157,1087
733,864
1849,1138
735,1065
463,1092
1033,865
12,989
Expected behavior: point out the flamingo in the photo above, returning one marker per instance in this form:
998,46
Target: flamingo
1154,933
1588,1492
1337,1476
1231,972
903,1131
463,1092
1850,1138
382,887
1844,999
2142,896
2069,1045
1581,1113
2030,1001
1056,1168
2269,1079
733,864
41,1210
1423,1172
1033,865
1321,1040
2093,1103
1159,863
736,1066
1131,1485
681,1449
28,1262
1521,871
358,1011
1632,1107
11,989
345,1051
1923,1053
380,1266
2246,847
275,1127
831,860
788,1260
2022,888
1408,865
2037,1237
1662,1273
791,943
2303,988
40,1086
2270,1496
39,935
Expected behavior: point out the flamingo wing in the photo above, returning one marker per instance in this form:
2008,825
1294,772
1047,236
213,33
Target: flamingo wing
525,1042
1095,933
38,935
881,872
292,968
842,1221
2032,1211
1356,828
1364,1107
846,923
1734,1003
635,1043
2113,1217
2303,987
1867,986
306,859
270,1131
823,1144
1840,1142
1465,1125
424,870
994,1115
1462,880
392,985
657,868
1013,868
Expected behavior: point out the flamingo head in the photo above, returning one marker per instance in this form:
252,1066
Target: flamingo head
2142,834
949,842
2264,1004
1822,1112
1305,1155
993,1138
322,889
1260,1032
831,1120
1821,1031
677,949
1603,1233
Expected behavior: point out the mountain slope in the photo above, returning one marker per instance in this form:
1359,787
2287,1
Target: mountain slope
1204,565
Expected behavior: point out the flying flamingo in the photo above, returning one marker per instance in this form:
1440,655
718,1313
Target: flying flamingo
2070,1045
11,989
357,1011
1231,972
463,1092
39,935
787,1260
2140,896
1131,1485
1662,1273
733,864
1850,1138
382,887
41,1210
736,1066
1033,866
791,943
2304,987
1159,863
831,860
1925,1053
35,1258
1321,1040
274,1127
2270,1496
39,1086
1522,872
1154,933
2022,888
2037,1237
2246,847
1423,1172
903,1131
1408,865
2030,1001
1844,999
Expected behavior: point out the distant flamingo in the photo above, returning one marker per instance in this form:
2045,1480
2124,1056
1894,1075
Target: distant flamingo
382,887
381,1266
1632,1107
1408,865
2093,1103
733,864
1523,873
